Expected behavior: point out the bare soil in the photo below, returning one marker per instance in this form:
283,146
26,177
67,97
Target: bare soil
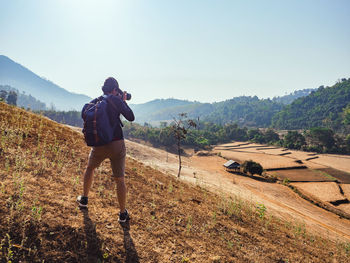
326,192
301,175
341,176
279,199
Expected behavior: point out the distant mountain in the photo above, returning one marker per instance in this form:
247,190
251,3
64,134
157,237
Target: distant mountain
24,100
24,80
288,99
321,108
250,111
158,110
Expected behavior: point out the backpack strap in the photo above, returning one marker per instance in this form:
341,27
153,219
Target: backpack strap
95,125
114,107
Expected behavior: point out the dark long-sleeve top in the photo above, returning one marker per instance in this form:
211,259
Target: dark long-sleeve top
117,107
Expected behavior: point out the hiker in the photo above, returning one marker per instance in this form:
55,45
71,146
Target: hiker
114,150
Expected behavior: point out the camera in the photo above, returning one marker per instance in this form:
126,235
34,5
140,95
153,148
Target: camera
121,93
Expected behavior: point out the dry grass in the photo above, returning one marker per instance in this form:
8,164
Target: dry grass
41,164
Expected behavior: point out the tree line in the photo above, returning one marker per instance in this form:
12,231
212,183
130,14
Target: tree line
14,97
9,97
318,139
326,107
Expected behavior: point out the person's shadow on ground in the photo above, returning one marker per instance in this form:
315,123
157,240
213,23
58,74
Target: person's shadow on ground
130,250
94,244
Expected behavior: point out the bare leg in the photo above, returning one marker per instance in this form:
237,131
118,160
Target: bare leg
88,176
121,193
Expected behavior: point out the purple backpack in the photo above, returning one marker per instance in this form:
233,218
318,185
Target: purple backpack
98,128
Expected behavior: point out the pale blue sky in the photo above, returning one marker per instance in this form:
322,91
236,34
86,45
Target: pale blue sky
188,49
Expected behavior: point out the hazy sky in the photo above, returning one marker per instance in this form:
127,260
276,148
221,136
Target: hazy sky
188,49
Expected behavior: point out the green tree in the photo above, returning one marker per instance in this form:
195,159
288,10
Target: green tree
293,140
253,133
346,115
12,98
252,167
322,139
271,136
3,95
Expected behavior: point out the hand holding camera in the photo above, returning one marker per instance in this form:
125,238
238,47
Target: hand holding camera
123,95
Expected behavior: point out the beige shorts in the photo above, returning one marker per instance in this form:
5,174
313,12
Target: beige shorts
115,151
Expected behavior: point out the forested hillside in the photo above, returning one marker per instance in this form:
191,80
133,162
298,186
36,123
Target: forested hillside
247,111
193,110
288,99
72,118
325,107
23,100
160,109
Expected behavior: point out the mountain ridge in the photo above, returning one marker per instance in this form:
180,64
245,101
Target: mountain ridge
23,79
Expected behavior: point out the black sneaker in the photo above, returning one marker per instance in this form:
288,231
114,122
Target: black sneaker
123,217
82,201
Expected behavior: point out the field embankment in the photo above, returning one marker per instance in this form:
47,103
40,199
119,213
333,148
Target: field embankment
41,166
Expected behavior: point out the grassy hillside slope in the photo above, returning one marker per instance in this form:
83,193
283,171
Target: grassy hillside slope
41,164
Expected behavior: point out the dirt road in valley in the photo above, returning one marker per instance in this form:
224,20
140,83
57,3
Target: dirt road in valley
281,201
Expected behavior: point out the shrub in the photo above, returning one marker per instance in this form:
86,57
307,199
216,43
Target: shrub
252,167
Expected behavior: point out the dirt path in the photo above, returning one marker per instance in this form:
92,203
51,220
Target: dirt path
279,199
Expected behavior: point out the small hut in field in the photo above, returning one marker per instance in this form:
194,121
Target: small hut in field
232,166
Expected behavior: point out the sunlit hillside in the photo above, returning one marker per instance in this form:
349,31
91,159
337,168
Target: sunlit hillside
41,166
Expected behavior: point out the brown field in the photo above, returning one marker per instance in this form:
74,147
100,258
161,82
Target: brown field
267,161
325,168
301,175
339,162
336,161
41,166
336,166
341,176
324,191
